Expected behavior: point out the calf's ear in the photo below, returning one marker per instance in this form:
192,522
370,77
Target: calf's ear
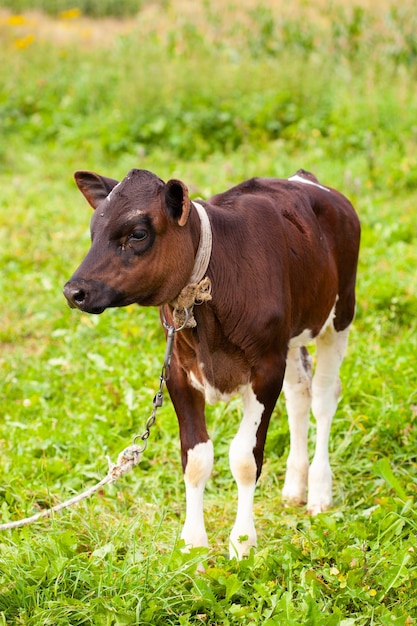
94,187
177,201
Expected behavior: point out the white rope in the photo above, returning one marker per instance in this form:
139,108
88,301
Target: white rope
126,460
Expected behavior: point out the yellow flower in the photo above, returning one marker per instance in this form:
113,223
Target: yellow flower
16,20
71,14
24,42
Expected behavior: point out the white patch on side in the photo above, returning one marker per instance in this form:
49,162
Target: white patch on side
301,340
329,322
211,394
299,179
306,337
243,467
197,472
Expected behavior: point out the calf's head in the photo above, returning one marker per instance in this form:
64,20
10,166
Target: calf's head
141,243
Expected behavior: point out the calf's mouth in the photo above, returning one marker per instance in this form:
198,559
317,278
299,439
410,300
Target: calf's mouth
91,296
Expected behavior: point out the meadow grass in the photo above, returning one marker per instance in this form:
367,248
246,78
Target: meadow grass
212,100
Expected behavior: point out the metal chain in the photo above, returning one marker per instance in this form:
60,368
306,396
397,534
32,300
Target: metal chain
165,374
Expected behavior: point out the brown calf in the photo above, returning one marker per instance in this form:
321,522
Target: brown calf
275,263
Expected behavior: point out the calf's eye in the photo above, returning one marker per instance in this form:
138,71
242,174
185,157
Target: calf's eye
138,235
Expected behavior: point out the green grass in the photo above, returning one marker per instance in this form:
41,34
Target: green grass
212,101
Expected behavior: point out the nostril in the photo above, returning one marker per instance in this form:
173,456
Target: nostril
78,296
75,295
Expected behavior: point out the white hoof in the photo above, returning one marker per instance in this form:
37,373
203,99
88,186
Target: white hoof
241,544
295,486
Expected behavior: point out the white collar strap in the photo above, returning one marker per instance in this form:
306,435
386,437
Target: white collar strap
202,258
198,288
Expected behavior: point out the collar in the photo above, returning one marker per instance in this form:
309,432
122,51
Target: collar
198,288
203,255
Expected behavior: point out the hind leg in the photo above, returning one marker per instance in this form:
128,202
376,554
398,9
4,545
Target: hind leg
331,346
297,391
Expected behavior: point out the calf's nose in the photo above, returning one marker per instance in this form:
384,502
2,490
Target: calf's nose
75,295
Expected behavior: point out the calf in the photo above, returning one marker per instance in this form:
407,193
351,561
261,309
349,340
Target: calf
273,264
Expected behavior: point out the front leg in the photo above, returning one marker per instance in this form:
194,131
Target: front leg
247,450
196,452
244,471
197,471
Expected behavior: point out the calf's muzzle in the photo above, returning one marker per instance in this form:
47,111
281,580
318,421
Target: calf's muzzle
91,296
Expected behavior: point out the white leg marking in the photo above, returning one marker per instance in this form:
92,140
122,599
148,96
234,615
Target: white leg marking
297,391
331,346
243,466
197,472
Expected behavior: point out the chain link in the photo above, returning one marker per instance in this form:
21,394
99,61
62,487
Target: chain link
165,374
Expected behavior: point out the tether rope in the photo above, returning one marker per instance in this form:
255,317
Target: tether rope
127,459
